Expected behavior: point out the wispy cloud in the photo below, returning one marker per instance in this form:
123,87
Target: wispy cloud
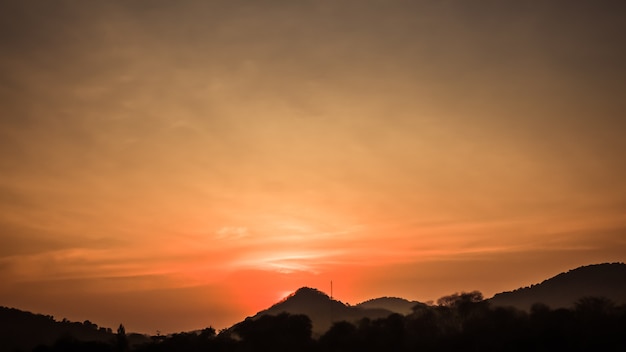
232,232
287,262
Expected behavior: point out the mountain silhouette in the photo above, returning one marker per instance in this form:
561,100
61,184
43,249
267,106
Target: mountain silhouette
321,309
562,291
20,330
392,304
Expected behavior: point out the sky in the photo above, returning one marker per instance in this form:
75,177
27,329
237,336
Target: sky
173,165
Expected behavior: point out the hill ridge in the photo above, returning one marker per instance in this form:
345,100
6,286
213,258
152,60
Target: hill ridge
562,290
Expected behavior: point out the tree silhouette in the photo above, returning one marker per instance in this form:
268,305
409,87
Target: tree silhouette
462,322
340,337
456,299
283,332
121,340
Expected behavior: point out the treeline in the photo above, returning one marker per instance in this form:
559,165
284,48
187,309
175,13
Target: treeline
22,331
460,322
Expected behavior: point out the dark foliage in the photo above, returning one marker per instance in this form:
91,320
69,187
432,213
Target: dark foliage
23,331
67,344
464,323
284,332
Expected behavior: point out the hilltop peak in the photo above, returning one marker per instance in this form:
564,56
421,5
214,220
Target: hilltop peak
393,304
303,294
321,309
308,291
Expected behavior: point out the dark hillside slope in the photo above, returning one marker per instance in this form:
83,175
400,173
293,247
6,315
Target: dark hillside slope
601,280
393,304
321,309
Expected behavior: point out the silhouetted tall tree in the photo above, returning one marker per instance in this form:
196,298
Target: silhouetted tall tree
121,340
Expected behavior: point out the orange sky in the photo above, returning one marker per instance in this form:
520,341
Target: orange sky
174,165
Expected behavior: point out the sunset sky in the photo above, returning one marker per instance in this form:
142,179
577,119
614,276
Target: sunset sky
172,165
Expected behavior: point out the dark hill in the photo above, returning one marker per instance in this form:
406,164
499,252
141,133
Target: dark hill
393,304
321,309
601,280
22,331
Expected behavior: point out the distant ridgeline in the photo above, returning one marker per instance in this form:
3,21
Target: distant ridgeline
580,310
562,291
459,322
323,311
